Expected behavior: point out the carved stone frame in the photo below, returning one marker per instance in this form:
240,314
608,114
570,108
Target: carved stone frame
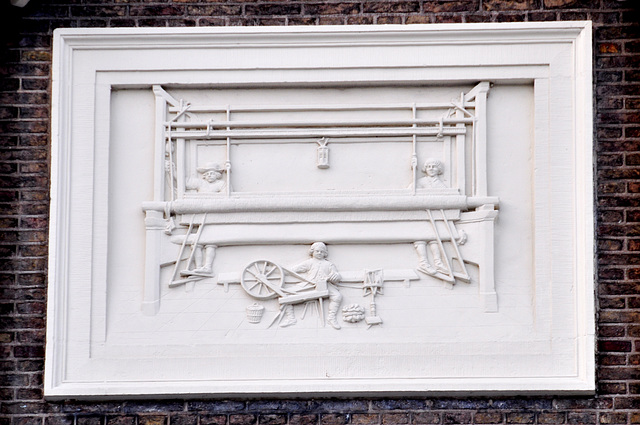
89,63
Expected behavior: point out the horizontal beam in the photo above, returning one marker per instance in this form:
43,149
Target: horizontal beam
238,203
306,108
316,133
306,124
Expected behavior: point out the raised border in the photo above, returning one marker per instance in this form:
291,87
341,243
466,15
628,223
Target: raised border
68,42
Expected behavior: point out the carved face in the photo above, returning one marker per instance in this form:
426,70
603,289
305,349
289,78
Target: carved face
319,254
432,169
211,176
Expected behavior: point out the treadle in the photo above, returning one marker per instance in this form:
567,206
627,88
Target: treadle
300,298
195,273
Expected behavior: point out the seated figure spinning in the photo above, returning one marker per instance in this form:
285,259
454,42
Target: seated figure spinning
321,271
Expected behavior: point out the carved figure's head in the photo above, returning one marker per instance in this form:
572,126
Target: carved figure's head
433,167
318,250
211,172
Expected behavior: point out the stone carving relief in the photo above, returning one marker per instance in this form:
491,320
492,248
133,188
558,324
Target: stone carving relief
315,212
196,212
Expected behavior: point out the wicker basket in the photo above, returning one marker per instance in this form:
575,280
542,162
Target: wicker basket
254,313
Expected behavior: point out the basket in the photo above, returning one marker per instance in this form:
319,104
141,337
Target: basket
254,313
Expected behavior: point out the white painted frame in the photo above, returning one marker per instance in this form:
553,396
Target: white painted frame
555,56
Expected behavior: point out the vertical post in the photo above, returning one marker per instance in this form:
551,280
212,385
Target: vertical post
154,224
414,154
461,148
447,156
227,164
481,140
160,148
154,220
180,159
487,288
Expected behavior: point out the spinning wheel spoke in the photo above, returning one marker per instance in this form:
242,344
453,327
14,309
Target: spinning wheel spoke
271,278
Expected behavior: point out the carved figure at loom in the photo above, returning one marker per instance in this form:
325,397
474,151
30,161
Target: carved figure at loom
423,264
211,180
433,168
441,266
204,256
323,274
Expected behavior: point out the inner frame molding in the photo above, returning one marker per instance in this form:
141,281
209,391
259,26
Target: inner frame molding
321,211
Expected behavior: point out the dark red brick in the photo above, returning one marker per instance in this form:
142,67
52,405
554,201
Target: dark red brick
580,418
552,418
418,19
488,418
272,419
610,244
395,418
242,419
59,420
613,418
612,303
366,419
28,351
627,403
609,47
273,9
333,419
521,418
615,346
331,8
568,3
104,11
121,420
153,420
611,216
184,419
392,19
451,6
161,10
391,6
206,419
457,418
361,20
611,388
426,418
214,9
506,5
304,419
447,18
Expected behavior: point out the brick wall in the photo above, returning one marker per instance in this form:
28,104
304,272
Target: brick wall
25,66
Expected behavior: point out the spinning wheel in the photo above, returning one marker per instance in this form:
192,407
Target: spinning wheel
262,279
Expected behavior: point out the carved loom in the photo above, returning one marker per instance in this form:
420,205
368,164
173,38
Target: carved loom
200,214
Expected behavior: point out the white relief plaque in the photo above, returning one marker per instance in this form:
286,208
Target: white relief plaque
321,211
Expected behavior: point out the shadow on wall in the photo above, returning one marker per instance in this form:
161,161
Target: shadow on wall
10,25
